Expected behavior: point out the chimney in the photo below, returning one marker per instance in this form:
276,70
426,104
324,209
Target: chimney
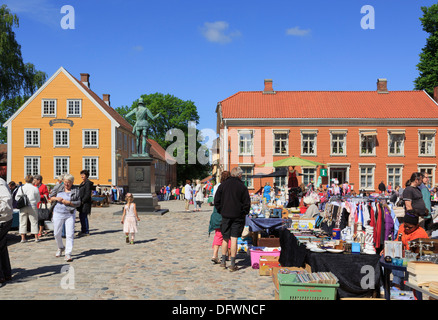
382,86
268,87
85,79
435,94
106,99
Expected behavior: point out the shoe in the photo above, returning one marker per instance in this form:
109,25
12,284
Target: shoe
132,241
127,239
68,258
215,260
23,241
37,240
59,252
223,265
233,268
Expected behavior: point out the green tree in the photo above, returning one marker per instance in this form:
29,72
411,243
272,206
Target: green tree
428,65
174,114
18,80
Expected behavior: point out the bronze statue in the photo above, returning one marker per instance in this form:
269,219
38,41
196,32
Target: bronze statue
141,126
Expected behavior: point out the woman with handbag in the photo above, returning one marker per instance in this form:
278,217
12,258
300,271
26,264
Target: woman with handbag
28,212
43,211
64,212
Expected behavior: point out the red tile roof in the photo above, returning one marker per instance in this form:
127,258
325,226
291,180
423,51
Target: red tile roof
158,152
329,104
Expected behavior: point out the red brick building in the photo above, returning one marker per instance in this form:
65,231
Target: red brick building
363,137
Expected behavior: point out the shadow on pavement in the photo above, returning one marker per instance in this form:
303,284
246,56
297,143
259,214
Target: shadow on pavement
93,252
22,275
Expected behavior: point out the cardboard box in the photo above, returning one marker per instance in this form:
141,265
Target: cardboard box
266,263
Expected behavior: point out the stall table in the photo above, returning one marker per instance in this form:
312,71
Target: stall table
257,225
418,291
352,270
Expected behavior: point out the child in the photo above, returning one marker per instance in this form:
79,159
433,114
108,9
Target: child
130,222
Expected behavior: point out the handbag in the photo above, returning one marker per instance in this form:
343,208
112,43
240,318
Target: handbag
43,213
23,201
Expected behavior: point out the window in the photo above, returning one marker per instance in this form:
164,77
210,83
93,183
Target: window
246,142
281,142
48,108
308,142
74,108
92,165
61,138
61,165
91,138
396,142
426,142
280,181
430,170
368,143
366,176
308,175
338,143
32,138
395,175
247,171
31,165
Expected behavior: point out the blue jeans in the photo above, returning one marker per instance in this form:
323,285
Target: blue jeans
84,222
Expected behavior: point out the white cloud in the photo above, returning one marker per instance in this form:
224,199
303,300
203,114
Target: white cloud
217,32
297,31
42,11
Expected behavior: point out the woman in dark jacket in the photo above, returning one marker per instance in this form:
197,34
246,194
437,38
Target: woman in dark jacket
85,189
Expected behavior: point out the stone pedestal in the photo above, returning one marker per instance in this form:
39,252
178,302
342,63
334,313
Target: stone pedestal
141,183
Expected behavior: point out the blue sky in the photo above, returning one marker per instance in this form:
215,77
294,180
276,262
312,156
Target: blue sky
207,50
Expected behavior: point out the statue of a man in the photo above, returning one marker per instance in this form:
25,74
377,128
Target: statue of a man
141,126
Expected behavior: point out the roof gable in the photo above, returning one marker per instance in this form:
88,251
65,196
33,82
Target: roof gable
109,112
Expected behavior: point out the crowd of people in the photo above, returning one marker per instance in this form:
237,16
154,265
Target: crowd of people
32,199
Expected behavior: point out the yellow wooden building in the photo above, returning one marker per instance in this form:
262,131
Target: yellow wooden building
66,127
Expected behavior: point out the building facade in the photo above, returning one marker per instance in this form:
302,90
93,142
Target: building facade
363,137
66,127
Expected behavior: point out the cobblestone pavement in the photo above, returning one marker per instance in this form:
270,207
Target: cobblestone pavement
169,260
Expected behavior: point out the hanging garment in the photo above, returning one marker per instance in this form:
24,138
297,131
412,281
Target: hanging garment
389,224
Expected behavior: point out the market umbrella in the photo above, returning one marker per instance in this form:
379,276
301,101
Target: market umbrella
293,162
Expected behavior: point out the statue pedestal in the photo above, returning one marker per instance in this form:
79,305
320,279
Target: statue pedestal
141,183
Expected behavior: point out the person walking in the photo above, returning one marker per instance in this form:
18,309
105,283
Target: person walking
233,203
6,212
64,212
44,198
199,195
84,209
427,199
188,194
215,223
13,187
130,218
29,212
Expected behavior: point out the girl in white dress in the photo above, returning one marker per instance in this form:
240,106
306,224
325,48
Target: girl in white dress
130,218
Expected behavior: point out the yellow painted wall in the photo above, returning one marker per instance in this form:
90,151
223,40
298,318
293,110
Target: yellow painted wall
61,89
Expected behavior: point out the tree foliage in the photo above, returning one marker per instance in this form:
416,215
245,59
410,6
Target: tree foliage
18,80
428,65
174,114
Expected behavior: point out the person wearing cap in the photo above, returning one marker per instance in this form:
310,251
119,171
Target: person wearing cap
312,210
410,230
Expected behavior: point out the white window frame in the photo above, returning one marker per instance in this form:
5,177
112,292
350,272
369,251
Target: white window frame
32,143
283,142
57,173
391,134
309,132
90,145
61,132
33,159
370,134
432,133
48,114
248,143
424,167
371,166
389,179
250,180
307,176
74,114
94,174
282,180
338,132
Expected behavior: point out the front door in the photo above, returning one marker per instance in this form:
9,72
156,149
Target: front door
338,173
